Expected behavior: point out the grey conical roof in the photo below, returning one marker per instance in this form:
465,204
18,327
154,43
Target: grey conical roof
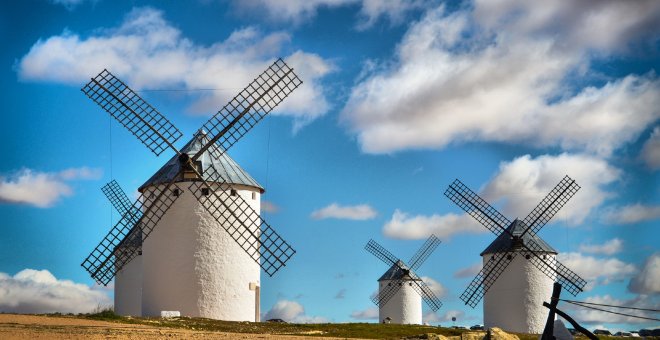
229,170
505,243
396,272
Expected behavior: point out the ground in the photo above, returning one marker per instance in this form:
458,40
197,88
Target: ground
107,325
14,326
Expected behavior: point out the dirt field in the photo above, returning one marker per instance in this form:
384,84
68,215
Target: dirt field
14,326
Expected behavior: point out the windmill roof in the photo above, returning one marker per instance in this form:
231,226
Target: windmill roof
504,242
399,270
228,169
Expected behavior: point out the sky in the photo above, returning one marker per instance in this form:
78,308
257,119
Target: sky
399,99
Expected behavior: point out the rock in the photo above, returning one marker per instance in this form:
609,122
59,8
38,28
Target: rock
498,334
473,335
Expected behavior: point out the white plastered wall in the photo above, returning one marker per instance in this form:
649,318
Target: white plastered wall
192,265
128,288
404,307
515,301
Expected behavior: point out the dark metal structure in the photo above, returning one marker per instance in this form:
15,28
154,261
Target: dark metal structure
552,306
259,240
401,273
515,238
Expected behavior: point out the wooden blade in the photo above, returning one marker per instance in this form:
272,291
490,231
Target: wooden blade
477,207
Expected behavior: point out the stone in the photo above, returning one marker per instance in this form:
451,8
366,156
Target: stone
498,334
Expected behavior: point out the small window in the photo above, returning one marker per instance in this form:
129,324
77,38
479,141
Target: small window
205,191
254,195
176,193
233,192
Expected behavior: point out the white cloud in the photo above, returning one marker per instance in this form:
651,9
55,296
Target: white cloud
651,150
404,226
370,313
436,287
147,52
610,247
470,76
291,311
359,212
432,317
632,213
38,291
469,272
42,189
269,207
299,11
597,271
520,185
69,4
523,182
647,281
590,316
395,10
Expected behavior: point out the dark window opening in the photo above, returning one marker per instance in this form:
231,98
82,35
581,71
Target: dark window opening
205,191
176,193
233,192
254,195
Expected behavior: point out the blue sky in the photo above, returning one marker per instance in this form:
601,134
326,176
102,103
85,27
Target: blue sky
400,98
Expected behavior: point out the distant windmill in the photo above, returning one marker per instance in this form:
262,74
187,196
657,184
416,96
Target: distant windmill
204,253
515,301
400,290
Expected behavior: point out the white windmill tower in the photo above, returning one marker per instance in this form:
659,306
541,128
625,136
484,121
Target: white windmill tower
194,241
514,287
400,290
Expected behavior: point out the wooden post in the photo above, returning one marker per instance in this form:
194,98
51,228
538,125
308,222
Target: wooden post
550,324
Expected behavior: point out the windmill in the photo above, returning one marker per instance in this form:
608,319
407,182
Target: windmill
128,280
200,209
514,302
400,290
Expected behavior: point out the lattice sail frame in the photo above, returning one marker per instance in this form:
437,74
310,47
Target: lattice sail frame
494,221
157,133
264,93
386,293
116,249
129,109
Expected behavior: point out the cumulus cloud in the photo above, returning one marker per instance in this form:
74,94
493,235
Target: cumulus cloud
610,247
38,291
468,272
291,311
597,271
497,72
370,313
436,287
404,226
647,281
523,182
359,212
632,213
590,316
519,185
299,11
146,51
42,189
651,150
